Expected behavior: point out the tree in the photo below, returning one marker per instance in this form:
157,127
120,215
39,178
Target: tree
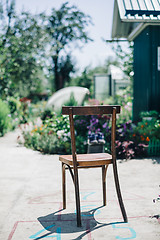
7,11
124,53
65,26
86,78
7,14
65,68
21,48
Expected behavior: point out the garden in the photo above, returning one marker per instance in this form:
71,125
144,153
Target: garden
48,131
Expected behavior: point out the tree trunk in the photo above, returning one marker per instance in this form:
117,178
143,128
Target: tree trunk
56,75
61,81
59,77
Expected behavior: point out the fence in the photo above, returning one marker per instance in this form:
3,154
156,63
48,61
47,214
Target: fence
154,147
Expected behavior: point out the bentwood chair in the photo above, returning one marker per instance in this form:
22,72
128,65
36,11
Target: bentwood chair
76,161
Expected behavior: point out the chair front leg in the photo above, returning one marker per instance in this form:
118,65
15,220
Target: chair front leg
77,196
64,185
104,171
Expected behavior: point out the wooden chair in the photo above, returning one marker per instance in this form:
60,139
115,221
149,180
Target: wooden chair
102,160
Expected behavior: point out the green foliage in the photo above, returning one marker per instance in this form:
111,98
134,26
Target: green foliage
31,111
146,130
27,40
51,136
65,68
84,80
16,112
14,104
81,128
133,139
124,99
124,53
46,143
4,118
65,26
149,114
72,101
21,48
47,113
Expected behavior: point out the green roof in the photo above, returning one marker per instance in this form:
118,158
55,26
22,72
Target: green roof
131,16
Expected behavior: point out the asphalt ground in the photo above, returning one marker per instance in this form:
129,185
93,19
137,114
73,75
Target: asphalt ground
31,198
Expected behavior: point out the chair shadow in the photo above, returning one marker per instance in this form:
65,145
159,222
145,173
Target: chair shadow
67,223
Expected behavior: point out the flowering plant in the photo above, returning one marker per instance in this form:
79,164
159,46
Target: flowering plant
146,130
51,134
127,145
48,136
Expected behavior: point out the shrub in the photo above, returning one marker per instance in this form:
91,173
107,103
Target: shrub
15,111
31,111
47,113
52,134
4,118
127,145
137,136
146,130
14,104
151,114
72,101
124,99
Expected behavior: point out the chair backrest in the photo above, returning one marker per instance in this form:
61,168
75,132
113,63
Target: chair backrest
92,110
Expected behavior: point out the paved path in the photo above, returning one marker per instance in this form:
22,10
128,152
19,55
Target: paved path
31,206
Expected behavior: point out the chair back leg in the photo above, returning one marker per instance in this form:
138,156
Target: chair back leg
115,171
64,185
119,192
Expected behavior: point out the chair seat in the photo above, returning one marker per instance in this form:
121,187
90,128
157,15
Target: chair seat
88,160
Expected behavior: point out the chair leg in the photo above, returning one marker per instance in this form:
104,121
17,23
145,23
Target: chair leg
77,195
119,192
64,185
104,171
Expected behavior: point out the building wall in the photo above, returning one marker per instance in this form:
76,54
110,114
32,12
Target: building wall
146,74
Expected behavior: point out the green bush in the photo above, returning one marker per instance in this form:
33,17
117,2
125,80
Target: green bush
146,130
72,101
151,114
52,134
124,99
31,111
16,112
14,104
4,118
47,113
